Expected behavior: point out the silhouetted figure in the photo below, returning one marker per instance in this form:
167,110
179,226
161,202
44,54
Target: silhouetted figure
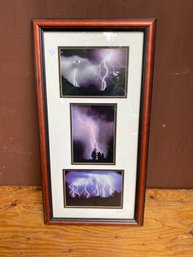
102,156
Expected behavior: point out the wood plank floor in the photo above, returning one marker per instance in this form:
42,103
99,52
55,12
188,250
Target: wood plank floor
167,230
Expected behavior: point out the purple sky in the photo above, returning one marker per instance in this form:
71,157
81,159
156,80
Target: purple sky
94,126
93,183
96,66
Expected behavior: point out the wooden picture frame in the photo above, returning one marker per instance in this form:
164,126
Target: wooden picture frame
89,74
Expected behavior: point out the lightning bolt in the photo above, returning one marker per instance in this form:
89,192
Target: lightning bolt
105,68
93,130
106,72
75,83
76,62
94,185
103,64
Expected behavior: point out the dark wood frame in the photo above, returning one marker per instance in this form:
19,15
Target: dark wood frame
148,27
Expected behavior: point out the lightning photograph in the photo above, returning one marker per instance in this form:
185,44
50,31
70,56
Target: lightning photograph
93,133
93,71
93,188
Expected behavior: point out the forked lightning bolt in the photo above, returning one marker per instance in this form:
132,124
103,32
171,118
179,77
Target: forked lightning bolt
92,186
92,129
103,73
104,70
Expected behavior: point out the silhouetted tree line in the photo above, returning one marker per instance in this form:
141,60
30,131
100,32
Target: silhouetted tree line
97,156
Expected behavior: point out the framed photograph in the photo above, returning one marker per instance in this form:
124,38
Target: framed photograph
93,133
93,188
104,68
94,84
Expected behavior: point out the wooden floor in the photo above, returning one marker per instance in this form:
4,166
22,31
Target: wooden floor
167,231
